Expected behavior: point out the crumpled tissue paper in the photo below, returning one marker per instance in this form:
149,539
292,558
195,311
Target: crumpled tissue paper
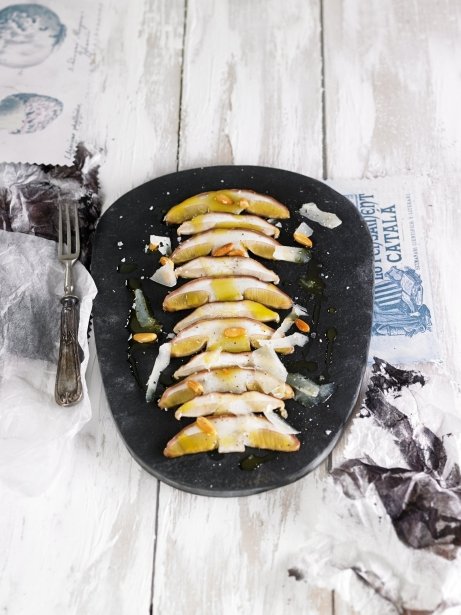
34,430
389,534
30,195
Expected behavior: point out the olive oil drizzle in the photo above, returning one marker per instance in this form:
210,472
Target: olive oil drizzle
315,286
127,267
134,326
252,462
331,334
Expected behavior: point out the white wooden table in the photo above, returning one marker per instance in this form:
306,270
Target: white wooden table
332,88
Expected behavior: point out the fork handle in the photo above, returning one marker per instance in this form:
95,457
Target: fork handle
68,389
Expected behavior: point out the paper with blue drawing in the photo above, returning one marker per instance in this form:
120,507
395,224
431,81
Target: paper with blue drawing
404,330
46,54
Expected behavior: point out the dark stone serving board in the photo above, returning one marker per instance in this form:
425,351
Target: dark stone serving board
345,256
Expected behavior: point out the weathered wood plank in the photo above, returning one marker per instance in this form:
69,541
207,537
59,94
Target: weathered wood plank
251,94
251,89
392,87
134,117
234,555
87,545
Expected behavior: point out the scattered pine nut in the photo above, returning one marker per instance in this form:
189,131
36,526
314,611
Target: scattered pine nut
302,326
224,199
303,240
223,250
205,425
144,338
153,247
244,203
195,387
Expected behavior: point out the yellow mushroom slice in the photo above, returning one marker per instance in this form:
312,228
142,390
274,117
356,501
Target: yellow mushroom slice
208,290
227,201
228,334
192,439
210,221
211,266
230,434
224,380
235,239
229,309
263,358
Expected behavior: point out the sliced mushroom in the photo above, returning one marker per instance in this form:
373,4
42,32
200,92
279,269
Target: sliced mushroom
206,222
224,380
208,290
212,266
212,242
264,359
228,334
244,402
229,309
213,359
230,434
227,201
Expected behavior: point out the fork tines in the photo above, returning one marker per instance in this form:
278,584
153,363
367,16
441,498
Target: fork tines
69,239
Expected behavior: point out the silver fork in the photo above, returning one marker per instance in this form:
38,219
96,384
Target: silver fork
68,389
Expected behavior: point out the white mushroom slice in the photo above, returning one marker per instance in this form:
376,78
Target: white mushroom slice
212,266
224,380
324,218
210,221
218,240
227,201
230,434
228,309
228,334
230,403
208,290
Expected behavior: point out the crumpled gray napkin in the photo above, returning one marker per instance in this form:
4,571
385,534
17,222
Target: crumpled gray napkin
34,430
423,499
30,195
389,532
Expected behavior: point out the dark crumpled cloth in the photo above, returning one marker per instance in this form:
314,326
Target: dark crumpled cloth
423,504
30,194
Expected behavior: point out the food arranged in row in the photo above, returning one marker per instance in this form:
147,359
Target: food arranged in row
236,386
